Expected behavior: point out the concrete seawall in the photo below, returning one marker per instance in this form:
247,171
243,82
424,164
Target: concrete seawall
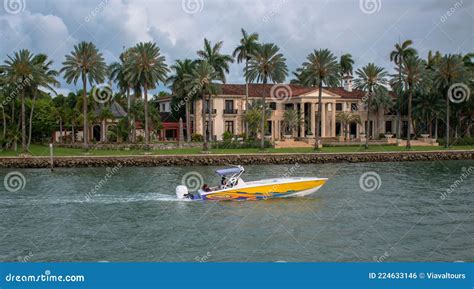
221,159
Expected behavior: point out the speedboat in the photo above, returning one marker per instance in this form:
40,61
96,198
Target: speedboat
234,188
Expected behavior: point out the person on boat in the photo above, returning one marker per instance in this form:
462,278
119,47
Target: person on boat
206,188
223,182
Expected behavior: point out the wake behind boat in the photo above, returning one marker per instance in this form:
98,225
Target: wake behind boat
234,188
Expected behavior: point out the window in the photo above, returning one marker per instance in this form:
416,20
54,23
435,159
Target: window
354,107
272,105
288,106
163,107
229,126
388,126
229,106
338,106
268,128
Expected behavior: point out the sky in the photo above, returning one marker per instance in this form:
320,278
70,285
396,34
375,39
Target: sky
367,29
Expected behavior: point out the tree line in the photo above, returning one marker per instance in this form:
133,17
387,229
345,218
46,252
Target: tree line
426,90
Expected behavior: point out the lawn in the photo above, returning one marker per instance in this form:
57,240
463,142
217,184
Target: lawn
39,150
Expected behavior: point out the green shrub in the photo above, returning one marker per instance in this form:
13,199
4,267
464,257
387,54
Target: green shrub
196,137
240,145
227,137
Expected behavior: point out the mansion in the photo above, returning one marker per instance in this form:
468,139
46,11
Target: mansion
228,110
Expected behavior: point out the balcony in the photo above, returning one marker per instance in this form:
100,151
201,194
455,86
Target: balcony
230,111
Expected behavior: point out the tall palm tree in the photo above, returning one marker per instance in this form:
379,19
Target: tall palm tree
401,51
266,64
146,66
243,52
22,70
202,79
449,70
346,63
46,79
371,79
321,68
412,72
117,74
179,86
87,63
212,54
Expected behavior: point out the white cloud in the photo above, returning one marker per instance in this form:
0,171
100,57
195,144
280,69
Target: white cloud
297,26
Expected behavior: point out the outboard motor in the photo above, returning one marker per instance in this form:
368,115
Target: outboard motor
182,193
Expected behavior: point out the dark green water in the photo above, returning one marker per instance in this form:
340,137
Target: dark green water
135,217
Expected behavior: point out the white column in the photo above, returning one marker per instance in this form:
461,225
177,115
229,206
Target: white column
333,131
302,120
313,118
323,120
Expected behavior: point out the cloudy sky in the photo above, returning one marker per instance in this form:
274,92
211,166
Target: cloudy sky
367,29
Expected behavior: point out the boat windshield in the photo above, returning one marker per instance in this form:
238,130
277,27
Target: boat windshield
229,171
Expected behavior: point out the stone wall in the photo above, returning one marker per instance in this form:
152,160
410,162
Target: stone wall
245,159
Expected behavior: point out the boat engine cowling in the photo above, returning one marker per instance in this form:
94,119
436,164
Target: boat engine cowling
181,192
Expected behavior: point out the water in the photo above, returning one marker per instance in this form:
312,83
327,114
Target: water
134,216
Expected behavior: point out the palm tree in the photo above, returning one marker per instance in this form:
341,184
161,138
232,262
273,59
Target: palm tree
46,79
346,118
202,79
346,63
449,70
381,102
371,79
401,51
243,52
266,64
212,54
87,63
146,66
321,68
291,120
427,107
117,74
22,70
180,88
412,72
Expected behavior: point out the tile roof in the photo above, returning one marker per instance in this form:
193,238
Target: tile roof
116,109
257,90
